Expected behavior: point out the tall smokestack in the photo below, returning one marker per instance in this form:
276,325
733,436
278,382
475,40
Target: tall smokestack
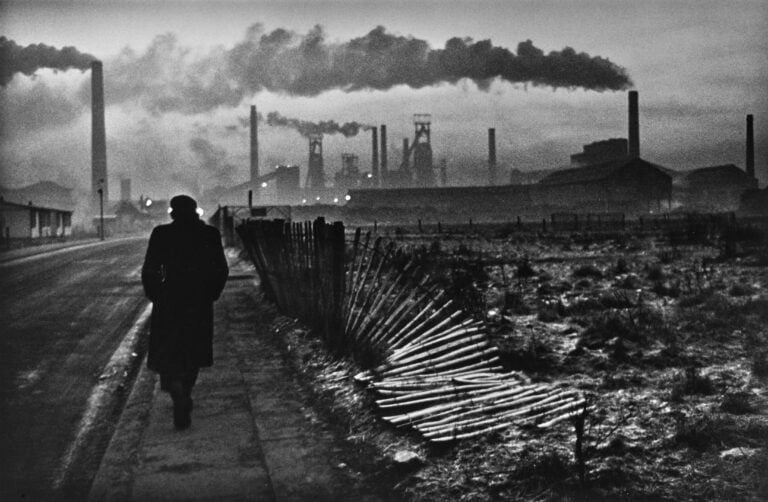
254,148
383,141
750,147
375,155
98,136
491,156
634,126
406,160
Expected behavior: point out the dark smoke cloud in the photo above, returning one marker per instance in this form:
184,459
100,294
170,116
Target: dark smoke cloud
27,60
168,77
282,61
305,128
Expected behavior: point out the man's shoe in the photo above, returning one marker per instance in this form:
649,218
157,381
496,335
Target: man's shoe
181,413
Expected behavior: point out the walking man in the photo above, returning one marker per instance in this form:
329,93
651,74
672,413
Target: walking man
184,272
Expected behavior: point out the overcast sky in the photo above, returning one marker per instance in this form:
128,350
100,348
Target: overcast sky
180,77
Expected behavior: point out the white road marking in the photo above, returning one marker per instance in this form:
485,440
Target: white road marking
111,377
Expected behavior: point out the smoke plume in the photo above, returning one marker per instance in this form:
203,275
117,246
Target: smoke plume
212,161
305,128
282,61
171,78
168,77
27,60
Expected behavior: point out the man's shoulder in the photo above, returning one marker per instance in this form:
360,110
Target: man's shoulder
210,230
162,229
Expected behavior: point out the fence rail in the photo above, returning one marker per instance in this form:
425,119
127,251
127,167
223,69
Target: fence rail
431,365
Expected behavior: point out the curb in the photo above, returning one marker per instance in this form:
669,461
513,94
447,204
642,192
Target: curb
113,480
107,398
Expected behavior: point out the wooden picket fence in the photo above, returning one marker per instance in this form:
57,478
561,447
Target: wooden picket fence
431,365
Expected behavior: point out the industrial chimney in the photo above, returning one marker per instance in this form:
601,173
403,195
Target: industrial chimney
491,156
634,126
750,147
383,141
375,155
98,137
254,149
406,157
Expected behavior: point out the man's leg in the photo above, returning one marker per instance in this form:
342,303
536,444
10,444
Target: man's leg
176,385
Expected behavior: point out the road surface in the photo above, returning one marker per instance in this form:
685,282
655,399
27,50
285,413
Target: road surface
63,316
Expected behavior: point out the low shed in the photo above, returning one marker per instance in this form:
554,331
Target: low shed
27,221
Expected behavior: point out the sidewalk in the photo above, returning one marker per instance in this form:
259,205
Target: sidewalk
251,437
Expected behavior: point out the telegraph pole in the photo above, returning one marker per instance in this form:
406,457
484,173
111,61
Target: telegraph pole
101,209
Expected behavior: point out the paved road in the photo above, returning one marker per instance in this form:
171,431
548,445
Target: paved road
63,315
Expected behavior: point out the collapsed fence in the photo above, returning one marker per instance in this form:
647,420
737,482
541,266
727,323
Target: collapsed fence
430,365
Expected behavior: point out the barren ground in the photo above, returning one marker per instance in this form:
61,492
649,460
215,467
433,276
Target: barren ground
666,333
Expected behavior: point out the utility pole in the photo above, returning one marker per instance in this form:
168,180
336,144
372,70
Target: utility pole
101,209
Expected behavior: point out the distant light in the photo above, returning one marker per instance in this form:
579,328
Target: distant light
317,198
199,211
370,175
263,184
335,200
303,201
347,197
148,202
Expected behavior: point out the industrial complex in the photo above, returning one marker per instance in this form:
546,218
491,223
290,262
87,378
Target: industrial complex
607,176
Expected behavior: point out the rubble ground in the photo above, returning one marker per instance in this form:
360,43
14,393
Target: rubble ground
667,336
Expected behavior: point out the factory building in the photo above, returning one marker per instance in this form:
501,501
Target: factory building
713,189
601,151
632,186
629,185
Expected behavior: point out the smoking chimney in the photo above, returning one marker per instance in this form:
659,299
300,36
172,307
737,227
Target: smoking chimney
254,148
750,147
634,126
406,156
383,154
125,189
375,155
98,136
491,156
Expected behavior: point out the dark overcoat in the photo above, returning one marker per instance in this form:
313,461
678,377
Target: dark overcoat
184,272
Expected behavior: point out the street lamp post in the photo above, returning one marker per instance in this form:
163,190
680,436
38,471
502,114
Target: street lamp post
101,210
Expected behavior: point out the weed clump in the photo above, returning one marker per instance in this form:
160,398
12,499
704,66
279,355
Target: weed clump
655,273
622,267
524,269
759,363
630,281
741,290
532,355
691,383
588,271
737,403
515,303
718,430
